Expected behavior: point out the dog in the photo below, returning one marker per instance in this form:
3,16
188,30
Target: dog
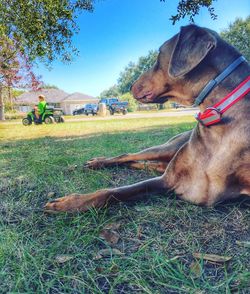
208,164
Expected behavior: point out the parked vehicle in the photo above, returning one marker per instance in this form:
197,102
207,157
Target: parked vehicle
119,107
91,109
109,101
50,115
115,106
177,105
79,111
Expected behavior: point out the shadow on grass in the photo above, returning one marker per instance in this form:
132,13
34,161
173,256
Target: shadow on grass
33,168
157,235
47,164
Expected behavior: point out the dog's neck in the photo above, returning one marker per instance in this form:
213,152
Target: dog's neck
213,83
228,84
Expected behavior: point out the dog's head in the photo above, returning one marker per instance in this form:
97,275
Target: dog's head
177,59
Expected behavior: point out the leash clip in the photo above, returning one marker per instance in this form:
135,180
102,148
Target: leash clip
209,117
215,111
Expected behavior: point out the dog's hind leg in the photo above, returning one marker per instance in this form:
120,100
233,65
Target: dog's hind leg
243,175
162,153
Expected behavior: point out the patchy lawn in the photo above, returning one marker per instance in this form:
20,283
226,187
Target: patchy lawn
140,247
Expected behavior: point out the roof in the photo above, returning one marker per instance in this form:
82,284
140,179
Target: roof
51,96
79,97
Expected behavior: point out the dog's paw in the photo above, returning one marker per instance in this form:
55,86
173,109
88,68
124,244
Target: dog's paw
67,203
75,203
95,163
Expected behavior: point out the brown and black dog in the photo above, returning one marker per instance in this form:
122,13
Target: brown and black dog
208,164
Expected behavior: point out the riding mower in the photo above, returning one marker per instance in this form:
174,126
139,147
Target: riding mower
49,116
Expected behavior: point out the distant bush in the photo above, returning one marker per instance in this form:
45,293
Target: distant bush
132,103
14,115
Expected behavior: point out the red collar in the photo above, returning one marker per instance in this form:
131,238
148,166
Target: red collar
214,113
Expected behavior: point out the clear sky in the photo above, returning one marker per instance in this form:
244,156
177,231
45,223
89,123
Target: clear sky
120,31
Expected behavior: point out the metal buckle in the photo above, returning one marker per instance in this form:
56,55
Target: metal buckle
213,117
217,111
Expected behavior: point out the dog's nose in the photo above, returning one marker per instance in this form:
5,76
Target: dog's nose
136,89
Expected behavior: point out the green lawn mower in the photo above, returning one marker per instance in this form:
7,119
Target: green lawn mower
49,116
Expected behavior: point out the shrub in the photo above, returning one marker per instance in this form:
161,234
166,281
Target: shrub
132,103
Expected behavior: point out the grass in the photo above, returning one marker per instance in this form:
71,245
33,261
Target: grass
157,235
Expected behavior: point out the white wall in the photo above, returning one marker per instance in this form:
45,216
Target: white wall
23,108
69,107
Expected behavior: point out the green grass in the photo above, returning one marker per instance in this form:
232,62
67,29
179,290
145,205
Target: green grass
158,235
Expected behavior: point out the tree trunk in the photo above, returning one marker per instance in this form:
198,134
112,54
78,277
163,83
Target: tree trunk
1,104
10,98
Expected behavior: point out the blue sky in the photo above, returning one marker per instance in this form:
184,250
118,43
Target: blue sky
120,31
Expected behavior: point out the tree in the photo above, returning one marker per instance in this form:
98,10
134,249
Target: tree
113,91
9,98
238,35
132,103
42,29
45,28
191,8
31,30
48,86
15,71
130,74
133,70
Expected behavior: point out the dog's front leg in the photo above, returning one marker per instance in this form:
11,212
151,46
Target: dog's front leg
82,202
162,153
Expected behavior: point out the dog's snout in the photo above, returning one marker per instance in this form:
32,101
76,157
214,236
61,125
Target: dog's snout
136,89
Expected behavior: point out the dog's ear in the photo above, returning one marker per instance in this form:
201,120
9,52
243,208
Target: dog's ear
192,46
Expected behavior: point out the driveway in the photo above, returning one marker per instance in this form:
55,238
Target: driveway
131,115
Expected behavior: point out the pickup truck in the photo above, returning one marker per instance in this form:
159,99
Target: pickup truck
109,101
115,106
118,107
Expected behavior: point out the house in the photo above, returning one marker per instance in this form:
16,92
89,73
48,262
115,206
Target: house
54,97
76,100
